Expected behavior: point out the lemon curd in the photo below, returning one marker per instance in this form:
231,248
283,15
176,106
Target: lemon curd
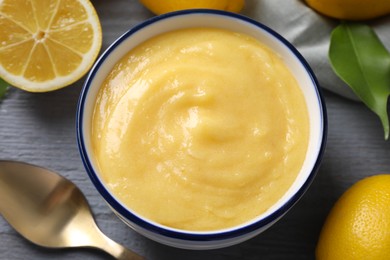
200,129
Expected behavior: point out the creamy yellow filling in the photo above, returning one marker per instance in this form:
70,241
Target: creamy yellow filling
200,129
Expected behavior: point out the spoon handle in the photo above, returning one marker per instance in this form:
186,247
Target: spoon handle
126,254
115,249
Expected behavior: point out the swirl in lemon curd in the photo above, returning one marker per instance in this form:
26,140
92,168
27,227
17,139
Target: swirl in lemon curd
200,129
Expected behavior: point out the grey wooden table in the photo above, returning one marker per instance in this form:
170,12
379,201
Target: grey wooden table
40,129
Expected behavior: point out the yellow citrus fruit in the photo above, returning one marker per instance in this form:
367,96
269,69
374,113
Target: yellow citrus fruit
358,226
47,44
161,7
351,9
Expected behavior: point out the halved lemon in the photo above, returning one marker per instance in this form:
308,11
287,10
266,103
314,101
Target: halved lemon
47,44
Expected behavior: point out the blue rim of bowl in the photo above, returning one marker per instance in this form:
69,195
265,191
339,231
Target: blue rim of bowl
187,235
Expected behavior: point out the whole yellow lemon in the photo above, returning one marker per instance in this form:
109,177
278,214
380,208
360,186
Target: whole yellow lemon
351,9
358,226
161,7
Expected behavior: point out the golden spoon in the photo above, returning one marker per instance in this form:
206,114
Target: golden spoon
51,211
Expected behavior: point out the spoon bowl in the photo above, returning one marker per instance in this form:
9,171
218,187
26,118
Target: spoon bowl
50,211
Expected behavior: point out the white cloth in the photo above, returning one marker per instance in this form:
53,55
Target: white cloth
310,32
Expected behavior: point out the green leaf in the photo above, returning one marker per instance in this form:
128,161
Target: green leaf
3,88
360,59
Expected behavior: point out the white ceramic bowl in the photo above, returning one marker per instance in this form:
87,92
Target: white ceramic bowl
215,19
